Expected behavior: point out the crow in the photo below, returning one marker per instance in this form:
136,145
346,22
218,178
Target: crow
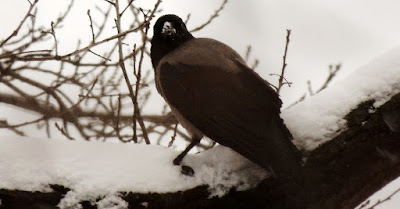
212,92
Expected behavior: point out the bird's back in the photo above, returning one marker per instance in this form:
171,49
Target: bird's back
212,88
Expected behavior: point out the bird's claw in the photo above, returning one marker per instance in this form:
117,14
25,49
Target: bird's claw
187,170
177,161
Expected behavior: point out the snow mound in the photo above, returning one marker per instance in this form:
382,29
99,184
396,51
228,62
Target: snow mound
320,118
99,169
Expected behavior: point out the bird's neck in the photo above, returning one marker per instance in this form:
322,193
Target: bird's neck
160,48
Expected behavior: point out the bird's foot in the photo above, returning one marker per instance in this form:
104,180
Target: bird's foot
187,170
177,160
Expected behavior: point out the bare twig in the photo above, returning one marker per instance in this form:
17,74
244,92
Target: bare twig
15,32
153,11
333,70
212,17
135,110
302,98
4,123
281,77
187,19
247,54
127,6
381,201
91,25
53,33
283,82
309,88
123,68
117,130
64,111
173,135
63,132
105,58
84,49
110,2
121,60
255,65
138,75
51,112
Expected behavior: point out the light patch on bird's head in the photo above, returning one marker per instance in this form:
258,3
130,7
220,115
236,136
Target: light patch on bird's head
168,29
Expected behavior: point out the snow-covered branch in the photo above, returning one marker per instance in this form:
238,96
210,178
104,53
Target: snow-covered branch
345,161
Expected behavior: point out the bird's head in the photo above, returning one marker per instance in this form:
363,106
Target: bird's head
171,28
169,32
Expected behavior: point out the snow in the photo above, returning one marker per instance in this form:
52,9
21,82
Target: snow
320,118
114,202
389,192
100,169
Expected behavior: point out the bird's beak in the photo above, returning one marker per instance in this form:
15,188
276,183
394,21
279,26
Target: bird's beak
168,29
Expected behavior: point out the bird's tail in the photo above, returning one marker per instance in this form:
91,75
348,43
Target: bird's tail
285,162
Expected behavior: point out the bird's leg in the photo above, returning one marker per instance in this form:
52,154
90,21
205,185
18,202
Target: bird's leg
179,158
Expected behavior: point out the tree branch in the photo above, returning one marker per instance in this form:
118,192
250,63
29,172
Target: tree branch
212,17
15,32
281,77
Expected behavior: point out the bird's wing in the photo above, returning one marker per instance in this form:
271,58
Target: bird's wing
229,103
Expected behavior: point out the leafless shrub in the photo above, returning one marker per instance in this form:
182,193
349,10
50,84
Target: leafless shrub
91,92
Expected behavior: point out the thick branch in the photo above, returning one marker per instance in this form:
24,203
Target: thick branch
351,167
50,111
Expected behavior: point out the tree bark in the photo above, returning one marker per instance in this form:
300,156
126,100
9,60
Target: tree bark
361,160
342,172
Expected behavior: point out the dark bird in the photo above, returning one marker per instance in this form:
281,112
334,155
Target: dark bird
212,92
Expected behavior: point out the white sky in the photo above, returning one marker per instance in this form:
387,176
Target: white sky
323,32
